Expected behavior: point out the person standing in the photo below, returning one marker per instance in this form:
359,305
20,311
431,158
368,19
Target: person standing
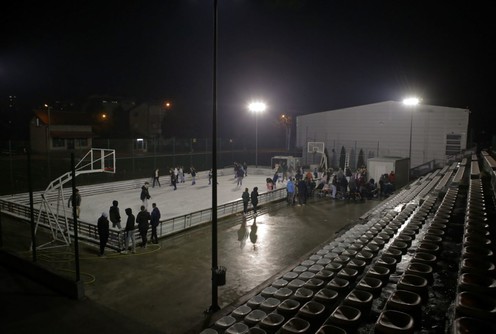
245,167
290,190
115,215
210,174
246,198
173,179
129,231
181,174
193,175
156,178
155,219
274,180
145,195
176,174
240,173
77,202
254,200
302,192
392,180
143,220
103,232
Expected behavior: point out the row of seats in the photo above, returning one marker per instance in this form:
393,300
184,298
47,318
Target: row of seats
475,305
376,274
404,305
312,289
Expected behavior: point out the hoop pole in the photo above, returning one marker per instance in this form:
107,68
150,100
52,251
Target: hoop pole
75,218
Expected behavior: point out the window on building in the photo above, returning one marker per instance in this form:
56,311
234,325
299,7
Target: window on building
58,142
453,144
140,144
81,142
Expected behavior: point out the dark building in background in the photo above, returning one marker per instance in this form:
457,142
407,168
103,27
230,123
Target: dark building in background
58,131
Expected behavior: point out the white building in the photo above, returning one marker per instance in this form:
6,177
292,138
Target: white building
385,129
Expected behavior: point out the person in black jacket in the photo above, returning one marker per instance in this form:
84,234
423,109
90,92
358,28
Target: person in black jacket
143,219
115,215
129,231
145,195
155,220
254,200
192,170
103,232
77,202
302,192
173,179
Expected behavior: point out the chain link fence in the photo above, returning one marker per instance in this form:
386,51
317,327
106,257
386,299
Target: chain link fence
134,159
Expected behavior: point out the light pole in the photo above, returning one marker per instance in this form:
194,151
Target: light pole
256,108
286,122
411,102
49,140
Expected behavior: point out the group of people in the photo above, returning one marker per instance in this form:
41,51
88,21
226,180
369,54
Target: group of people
240,171
246,196
298,189
339,184
354,185
387,184
176,176
142,221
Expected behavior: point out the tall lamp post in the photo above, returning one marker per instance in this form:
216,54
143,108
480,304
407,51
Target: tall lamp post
411,102
286,122
256,108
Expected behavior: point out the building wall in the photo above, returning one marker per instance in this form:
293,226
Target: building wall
38,135
382,130
73,137
146,120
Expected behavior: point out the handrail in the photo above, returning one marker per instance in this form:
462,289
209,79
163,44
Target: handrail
88,231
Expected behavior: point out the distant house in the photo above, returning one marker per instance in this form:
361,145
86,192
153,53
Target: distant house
56,131
99,121
145,122
121,119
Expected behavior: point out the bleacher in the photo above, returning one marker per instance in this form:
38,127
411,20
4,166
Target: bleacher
421,262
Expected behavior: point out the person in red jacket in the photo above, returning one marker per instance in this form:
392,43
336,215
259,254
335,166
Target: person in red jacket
392,179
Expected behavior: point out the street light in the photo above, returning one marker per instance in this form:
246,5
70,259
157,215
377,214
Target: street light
256,108
286,122
411,102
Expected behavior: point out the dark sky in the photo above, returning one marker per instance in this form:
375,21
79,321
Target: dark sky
298,56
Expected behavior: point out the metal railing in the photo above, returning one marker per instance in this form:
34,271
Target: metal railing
88,232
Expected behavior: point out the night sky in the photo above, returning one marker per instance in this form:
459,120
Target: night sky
298,56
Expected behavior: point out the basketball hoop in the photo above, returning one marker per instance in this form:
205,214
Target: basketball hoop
315,147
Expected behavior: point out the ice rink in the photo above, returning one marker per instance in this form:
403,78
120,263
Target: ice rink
172,203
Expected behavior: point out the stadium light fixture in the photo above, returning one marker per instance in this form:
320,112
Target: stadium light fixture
256,107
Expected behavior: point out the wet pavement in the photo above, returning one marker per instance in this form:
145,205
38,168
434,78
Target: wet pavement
166,288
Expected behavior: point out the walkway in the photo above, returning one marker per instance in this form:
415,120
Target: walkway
167,288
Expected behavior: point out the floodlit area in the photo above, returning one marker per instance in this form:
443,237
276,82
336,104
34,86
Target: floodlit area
172,203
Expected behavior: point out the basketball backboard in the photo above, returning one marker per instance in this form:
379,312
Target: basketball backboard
315,147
